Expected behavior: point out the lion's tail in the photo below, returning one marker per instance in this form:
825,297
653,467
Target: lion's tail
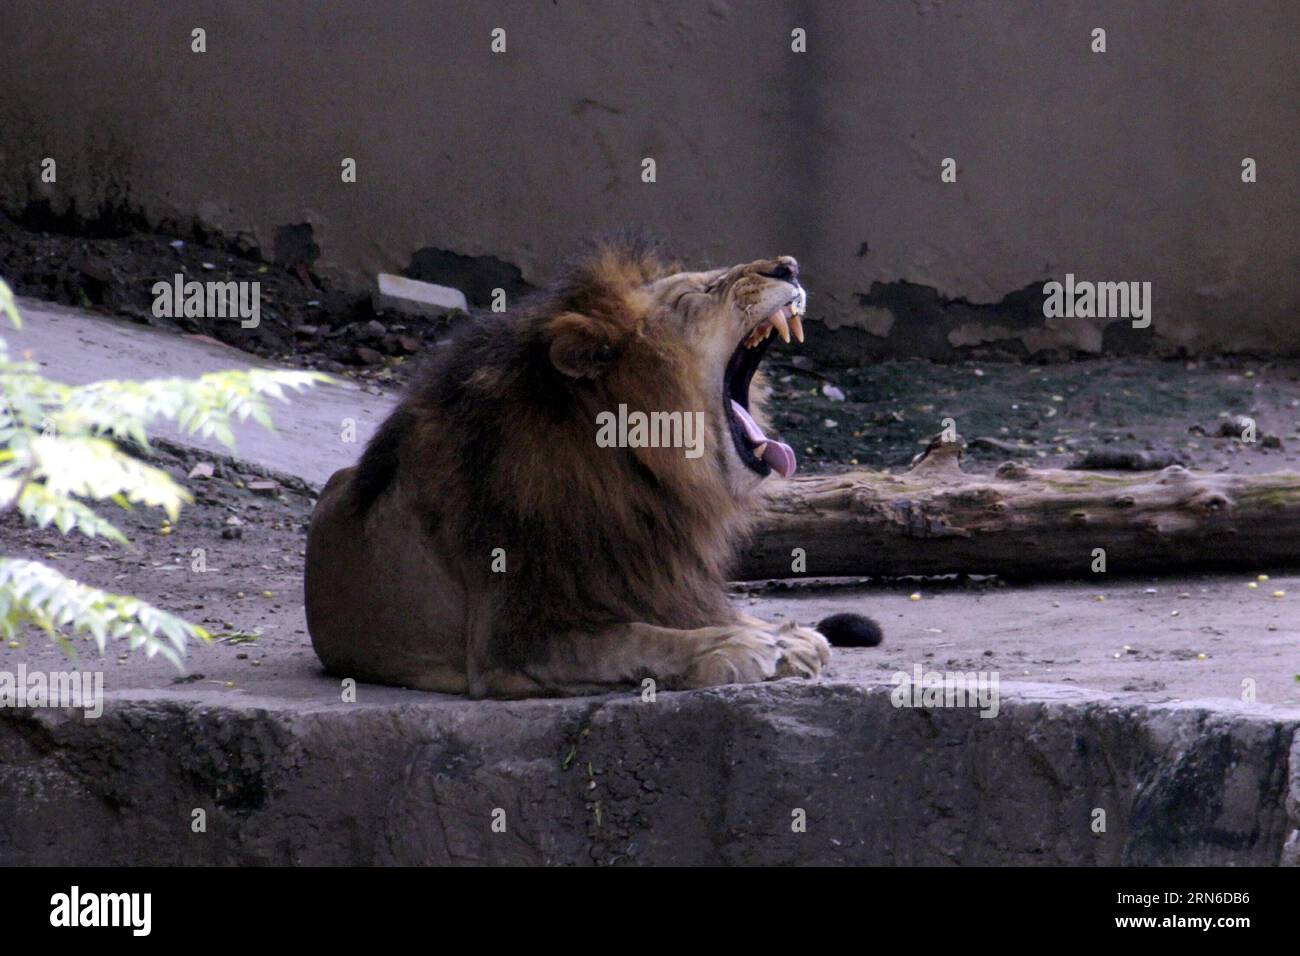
850,630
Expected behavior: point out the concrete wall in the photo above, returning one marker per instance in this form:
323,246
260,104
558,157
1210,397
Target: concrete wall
1117,166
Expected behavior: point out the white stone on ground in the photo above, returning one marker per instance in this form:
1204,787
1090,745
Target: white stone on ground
395,293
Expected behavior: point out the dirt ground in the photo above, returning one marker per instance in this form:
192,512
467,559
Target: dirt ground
1123,412
303,321
1183,638
250,545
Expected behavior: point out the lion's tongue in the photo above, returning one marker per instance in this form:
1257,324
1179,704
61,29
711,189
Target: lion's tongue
778,455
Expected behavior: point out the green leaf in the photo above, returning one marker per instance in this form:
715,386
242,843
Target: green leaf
38,595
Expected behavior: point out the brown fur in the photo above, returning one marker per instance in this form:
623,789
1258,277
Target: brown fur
615,558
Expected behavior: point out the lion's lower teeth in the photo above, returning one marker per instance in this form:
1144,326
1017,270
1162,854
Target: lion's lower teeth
759,449
757,336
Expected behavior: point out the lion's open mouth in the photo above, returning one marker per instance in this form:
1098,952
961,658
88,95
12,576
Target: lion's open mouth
759,453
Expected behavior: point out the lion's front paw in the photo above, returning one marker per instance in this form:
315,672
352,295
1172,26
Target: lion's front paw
806,650
749,655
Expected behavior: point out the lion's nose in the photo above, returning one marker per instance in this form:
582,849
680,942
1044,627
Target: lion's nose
785,268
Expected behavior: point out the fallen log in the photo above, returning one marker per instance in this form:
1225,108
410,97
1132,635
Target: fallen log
1023,523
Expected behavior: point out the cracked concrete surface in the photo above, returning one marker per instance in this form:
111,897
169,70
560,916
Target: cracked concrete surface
723,776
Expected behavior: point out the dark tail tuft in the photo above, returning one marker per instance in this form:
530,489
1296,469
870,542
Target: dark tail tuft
851,630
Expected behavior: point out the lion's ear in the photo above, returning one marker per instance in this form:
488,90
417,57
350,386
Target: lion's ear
582,347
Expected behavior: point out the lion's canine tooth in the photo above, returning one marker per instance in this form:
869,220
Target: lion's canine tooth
778,319
796,326
759,449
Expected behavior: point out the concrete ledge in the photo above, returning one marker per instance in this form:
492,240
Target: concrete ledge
707,777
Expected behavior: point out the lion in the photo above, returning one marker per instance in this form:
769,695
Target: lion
487,544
